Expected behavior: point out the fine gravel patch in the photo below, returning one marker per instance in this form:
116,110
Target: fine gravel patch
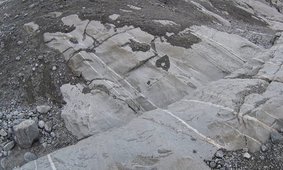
268,157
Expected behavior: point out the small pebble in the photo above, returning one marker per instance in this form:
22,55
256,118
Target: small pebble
18,58
247,155
264,148
20,42
41,124
219,154
40,57
53,135
54,68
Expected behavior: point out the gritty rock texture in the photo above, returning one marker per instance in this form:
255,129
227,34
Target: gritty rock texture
156,84
26,133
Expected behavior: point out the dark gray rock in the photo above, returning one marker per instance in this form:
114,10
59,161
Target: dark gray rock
26,133
276,137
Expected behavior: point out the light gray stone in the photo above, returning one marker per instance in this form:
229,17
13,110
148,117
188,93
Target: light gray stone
219,154
54,68
43,109
247,155
18,58
26,133
87,114
41,124
135,143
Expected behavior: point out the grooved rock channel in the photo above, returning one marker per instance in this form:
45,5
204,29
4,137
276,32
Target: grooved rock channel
161,91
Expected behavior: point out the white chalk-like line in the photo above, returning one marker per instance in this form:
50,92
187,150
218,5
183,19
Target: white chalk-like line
51,162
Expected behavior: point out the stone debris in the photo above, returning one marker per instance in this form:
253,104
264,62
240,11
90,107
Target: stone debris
264,148
40,57
43,109
8,146
41,124
18,58
28,156
219,154
53,15
247,155
54,68
31,28
114,17
276,137
3,133
48,127
26,133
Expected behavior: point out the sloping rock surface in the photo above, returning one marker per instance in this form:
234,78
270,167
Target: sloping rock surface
150,104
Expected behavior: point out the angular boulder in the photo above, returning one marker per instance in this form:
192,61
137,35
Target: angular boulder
26,133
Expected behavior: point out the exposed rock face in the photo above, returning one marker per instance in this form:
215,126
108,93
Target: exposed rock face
93,112
149,104
26,133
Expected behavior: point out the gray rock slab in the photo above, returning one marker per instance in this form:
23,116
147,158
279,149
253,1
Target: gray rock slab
94,112
134,146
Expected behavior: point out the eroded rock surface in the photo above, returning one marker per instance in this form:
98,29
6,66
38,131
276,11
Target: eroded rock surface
169,100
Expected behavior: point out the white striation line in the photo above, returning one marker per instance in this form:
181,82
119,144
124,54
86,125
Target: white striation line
253,139
51,162
35,164
207,139
234,112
